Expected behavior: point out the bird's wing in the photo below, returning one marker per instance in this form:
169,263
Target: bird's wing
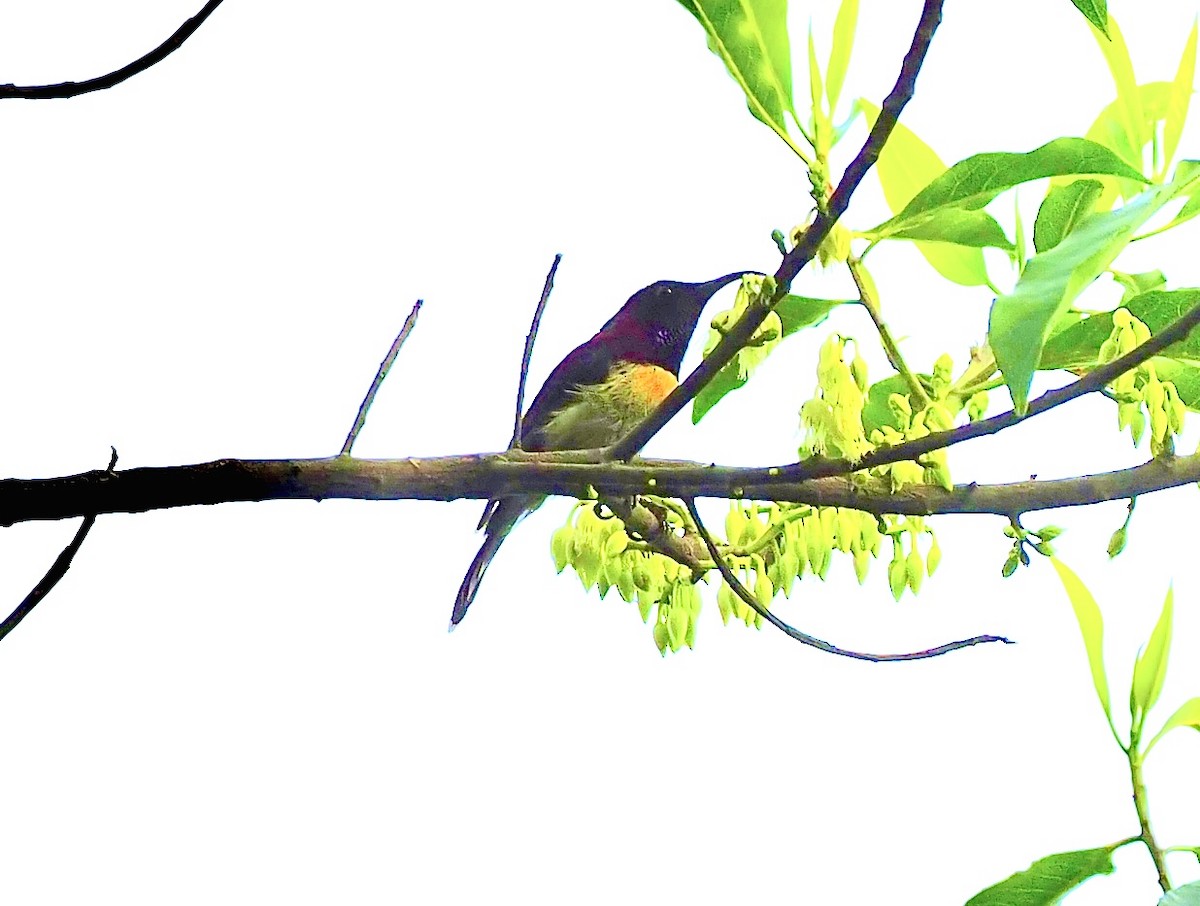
587,364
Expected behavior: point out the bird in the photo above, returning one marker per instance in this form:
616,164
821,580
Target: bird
598,394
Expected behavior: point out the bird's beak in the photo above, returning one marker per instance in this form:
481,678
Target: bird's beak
709,289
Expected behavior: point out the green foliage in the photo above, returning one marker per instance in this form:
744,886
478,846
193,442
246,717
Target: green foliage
1063,208
1096,12
1047,880
1187,895
1179,99
751,38
1150,669
1021,320
1077,347
1129,100
1091,625
974,182
906,165
839,56
950,215
1186,715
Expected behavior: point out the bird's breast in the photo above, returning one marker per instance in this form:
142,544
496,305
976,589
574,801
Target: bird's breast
600,414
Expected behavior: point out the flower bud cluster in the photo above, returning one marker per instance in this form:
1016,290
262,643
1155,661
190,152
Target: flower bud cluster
1141,397
909,568
602,554
1024,539
832,419
768,335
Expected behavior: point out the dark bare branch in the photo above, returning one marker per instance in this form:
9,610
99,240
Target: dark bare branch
74,89
527,355
380,375
812,641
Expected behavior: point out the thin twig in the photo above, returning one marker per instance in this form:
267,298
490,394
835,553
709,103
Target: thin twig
740,333
527,355
57,570
74,89
1142,806
866,295
742,592
1092,382
384,367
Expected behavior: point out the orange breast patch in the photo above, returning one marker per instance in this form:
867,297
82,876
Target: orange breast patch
651,383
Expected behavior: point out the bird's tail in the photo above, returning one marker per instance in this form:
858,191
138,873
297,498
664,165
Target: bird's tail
499,523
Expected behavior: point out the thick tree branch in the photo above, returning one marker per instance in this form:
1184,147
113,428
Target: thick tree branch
74,89
740,332
57,569
569,474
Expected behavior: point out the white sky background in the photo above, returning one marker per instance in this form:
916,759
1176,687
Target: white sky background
260,703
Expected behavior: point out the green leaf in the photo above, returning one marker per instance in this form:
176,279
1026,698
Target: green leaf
1020,321
1109,130
799,312
1180,98
1048,879
905,166
973,183
1077,346
876,411
1091,625
1062,210
1186,715
1185,895
751,38
1150,669
1096,12
815,87
839,56
1116,55
1020,246
1191,207
974,229
1136,284
795,314
1184,375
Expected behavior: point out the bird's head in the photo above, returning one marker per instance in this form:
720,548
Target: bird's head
658,321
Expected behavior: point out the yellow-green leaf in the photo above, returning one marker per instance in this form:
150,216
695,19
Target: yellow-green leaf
1091,625
839,55
1180,98
1116,55
815,87
1151,667
906,166
1186,715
